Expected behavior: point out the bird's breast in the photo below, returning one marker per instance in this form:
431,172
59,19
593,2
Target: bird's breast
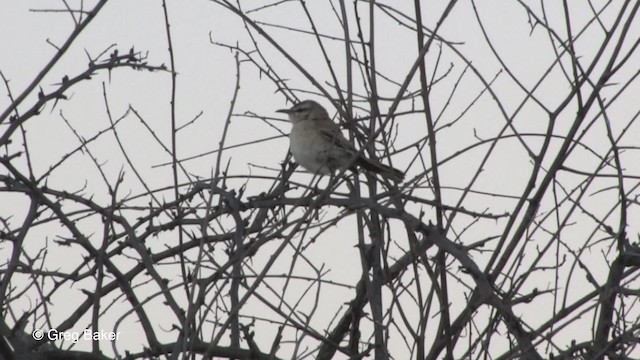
308,147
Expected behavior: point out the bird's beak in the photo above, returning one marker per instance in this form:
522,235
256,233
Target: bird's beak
286,111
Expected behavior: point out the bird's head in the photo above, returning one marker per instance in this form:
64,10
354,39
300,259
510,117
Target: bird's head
305,110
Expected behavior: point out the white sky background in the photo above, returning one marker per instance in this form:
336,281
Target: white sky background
206,77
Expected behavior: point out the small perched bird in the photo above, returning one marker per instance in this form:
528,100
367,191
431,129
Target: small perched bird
318,145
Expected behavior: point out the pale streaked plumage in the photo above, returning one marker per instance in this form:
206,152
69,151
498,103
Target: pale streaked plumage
318,145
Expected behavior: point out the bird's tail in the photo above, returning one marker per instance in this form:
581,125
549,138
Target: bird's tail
384,170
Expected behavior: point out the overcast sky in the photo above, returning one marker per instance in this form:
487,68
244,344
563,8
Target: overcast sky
206,76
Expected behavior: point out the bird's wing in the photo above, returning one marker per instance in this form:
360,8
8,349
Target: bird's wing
335,137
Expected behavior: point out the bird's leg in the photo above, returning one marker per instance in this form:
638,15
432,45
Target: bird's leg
333,182
352,188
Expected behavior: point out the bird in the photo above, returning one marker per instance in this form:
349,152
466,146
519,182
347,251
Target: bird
317,144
